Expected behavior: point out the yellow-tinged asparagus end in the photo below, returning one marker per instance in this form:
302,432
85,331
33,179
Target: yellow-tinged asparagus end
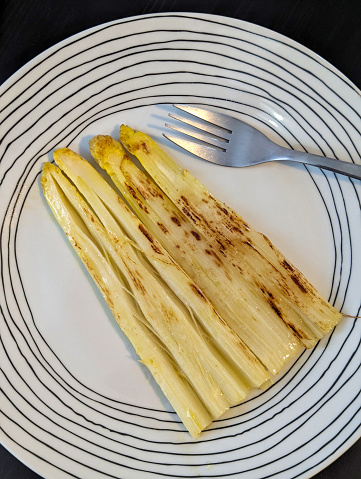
152,157
109,154
64,151
48,168
135,140
141,145
105,149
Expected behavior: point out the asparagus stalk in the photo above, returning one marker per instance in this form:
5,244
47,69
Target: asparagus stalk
199,361
234,239
205,356
151,351
244,283
272,342
85,177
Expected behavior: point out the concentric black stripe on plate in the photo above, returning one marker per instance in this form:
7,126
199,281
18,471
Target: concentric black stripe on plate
247,419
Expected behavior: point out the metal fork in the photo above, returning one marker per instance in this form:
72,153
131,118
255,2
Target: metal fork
228,141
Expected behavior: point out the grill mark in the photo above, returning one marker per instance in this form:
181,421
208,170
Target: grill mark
279,277
235,229
297,277
133,147
144,147
136,279
148,186
269,297
196,235
149,237
199,219
162,227
176,220
222,208
297,280
271,301
168,314
212,253
134,195
221,246
297,333
269,242
185,200
274,307
197,291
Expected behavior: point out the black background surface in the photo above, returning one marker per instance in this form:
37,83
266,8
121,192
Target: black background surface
330,28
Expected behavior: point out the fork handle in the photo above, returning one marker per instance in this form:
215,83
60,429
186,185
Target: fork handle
348,169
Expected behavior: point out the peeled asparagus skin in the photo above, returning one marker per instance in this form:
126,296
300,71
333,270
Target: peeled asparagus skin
152,354
233,237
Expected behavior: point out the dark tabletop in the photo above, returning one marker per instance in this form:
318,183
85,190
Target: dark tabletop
331,28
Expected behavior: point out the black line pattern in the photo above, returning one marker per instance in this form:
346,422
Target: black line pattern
49,416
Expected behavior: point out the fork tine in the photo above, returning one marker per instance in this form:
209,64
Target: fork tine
207,140
217,133
218,119
202,151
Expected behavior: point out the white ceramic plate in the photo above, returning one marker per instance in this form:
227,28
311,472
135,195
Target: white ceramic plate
74,400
